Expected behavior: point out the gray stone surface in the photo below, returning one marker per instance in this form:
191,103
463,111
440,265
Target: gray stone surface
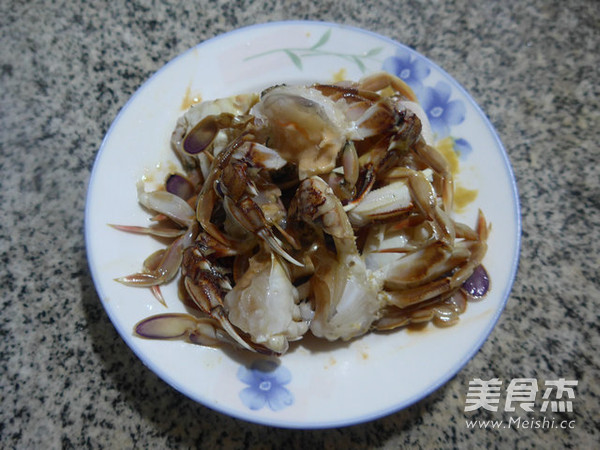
67,67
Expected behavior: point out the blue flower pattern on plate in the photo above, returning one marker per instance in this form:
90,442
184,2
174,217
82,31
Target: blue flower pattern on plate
443,113
266,380
463,146
412,70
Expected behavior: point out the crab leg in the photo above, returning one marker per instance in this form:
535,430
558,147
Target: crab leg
206,203
424,196
208,298
418,294
153,231
478,250
434,159
424,266
203,331
239,190
381,80
414,279
167,268
207,198
151,263
249,215
350,164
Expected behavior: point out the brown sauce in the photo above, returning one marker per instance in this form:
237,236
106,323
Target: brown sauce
189,99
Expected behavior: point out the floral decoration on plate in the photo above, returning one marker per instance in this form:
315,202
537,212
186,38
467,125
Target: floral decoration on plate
266,380
443,111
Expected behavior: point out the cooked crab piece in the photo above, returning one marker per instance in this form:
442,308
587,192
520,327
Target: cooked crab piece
385,154
386,242
425,199
443,312
234,178
344,296
310,125
425,265
265,304
205,132
208,196
433,273
305,126
206,284
216,132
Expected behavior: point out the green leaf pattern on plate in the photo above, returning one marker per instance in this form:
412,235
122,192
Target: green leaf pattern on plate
297,55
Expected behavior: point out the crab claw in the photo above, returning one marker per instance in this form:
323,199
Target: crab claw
203,331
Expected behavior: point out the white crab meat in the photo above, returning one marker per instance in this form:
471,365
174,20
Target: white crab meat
346,298
379,203
305,126
387,201
264,304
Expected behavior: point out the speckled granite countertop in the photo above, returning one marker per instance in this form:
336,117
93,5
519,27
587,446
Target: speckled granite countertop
67,67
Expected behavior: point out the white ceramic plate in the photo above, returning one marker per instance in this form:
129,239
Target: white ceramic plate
315,385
